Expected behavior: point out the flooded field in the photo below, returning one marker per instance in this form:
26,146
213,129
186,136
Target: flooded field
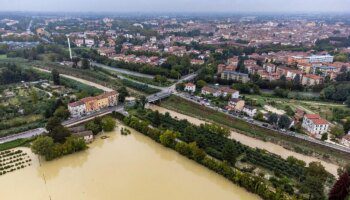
129,167
254,143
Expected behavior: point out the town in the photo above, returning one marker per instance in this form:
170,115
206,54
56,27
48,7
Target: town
262,100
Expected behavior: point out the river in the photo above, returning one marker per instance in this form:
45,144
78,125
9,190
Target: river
132,167
255,143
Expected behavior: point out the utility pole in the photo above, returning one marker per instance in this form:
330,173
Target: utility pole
70,50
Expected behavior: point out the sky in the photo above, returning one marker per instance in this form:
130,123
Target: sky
176,5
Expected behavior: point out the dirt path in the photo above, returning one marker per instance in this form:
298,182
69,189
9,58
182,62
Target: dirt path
101,87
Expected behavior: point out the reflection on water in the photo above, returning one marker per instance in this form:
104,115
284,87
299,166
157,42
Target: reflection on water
254,143
129,167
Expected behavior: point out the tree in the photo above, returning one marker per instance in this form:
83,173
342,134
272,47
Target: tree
52,123
62,113
341,188
201,83
34,96
294,161
143,101
259,116
197,153
123,92
183,148
284,122
59,134
94,127
297,80
55,77
273,118
85,64
108,123
42,145
168,138
346,125
337,131
324,137
316,176
229,153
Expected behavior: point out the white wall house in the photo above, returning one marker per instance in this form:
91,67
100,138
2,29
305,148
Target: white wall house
315,125
190,87
250,111
77,109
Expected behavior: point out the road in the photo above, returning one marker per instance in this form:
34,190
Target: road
67,123
261,124
74,121
101,87
26,134
123,71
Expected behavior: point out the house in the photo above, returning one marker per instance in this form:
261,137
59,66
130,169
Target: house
228,91
236,76
236,105
77,109
190,87
269,67
346,140
311,79
250,111
88,136
208,90
106,51
233,61
315,125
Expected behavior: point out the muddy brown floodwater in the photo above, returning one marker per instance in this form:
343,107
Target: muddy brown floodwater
131,167
253,142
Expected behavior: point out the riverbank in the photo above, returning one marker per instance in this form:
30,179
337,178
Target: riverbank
120,167
250,141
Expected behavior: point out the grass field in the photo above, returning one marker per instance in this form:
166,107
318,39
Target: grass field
189,108
4,56
15,143
325,109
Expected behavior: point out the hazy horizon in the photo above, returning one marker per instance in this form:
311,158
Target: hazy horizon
178,6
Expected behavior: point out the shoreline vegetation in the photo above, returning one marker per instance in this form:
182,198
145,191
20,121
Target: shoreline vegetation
188,108
209,146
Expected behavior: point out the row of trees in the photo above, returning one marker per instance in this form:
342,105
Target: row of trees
193,151
214,141
11,73
174,67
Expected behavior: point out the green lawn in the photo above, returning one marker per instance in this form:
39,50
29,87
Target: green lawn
15,143
4,56
189,108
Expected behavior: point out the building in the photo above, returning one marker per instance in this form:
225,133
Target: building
190,87
106,51
235,76
320,59
228,91
250,111
77,109
88,136
208,91
91,104
236,105
315,125
311,79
